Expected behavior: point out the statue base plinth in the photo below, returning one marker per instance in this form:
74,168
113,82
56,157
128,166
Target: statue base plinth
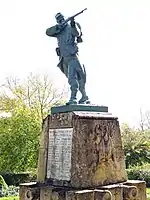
127,190
81,157
78,107
81,149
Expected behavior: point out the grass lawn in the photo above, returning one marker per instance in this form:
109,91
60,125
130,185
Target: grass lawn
10,198
148,193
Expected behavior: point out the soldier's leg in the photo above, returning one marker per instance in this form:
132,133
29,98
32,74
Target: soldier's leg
72,80
65,67
84,97
81,75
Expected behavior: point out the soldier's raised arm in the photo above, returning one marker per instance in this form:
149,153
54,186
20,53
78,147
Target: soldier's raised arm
52,31
55,30
75,31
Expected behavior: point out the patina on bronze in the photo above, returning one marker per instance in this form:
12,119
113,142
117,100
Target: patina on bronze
69,34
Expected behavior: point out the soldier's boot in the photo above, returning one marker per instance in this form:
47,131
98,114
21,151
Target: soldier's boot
84,99
73,99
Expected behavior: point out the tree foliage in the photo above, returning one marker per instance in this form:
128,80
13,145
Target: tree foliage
36,92
136,146
28,103
19,140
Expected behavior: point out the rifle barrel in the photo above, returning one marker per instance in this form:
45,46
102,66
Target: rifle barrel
69,18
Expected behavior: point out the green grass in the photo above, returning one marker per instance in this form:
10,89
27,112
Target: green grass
148,193
10,198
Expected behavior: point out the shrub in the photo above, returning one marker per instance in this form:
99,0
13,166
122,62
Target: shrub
136,146
3,183
16,179
11,191
8,190
139,173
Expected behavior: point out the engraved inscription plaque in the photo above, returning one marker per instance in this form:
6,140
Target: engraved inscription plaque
59,154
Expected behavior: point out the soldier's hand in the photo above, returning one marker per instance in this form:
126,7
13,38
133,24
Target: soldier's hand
72,23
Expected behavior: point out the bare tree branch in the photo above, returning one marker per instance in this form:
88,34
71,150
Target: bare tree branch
37,92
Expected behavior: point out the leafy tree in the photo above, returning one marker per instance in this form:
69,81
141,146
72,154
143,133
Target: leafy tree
28,103
19,140
136,146
36,92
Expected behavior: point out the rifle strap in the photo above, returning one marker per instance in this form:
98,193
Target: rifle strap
79,27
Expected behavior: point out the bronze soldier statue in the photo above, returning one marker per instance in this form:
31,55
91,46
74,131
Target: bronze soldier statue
68,36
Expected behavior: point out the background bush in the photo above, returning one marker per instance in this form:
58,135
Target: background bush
136,145
3,183
140,173
16,179
10,191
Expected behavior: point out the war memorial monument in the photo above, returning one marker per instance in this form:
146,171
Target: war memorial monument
81,154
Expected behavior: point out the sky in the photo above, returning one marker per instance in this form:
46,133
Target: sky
115,48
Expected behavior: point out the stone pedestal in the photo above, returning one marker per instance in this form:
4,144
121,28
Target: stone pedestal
81,158
81,150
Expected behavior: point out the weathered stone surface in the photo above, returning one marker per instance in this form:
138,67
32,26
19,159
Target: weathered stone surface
116,191
141,187
109,192
29,191
46,193
43,151
49,193
130,193
93,195
61,120
96,151
22,193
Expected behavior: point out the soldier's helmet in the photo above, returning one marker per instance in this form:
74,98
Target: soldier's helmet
59,17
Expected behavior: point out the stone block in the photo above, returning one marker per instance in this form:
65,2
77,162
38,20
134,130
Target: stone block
116,191
43,151
93,195
49,194
141,188
130,192
29,191
81,150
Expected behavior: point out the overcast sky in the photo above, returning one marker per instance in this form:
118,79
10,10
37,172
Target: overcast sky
115,51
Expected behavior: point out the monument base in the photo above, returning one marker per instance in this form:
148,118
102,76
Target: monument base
130,190
81,150
81,157
78,107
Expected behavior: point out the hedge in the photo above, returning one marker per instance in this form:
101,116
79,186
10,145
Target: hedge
3,183
139,174
16,179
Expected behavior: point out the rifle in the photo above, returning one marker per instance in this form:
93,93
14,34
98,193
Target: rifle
70,18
